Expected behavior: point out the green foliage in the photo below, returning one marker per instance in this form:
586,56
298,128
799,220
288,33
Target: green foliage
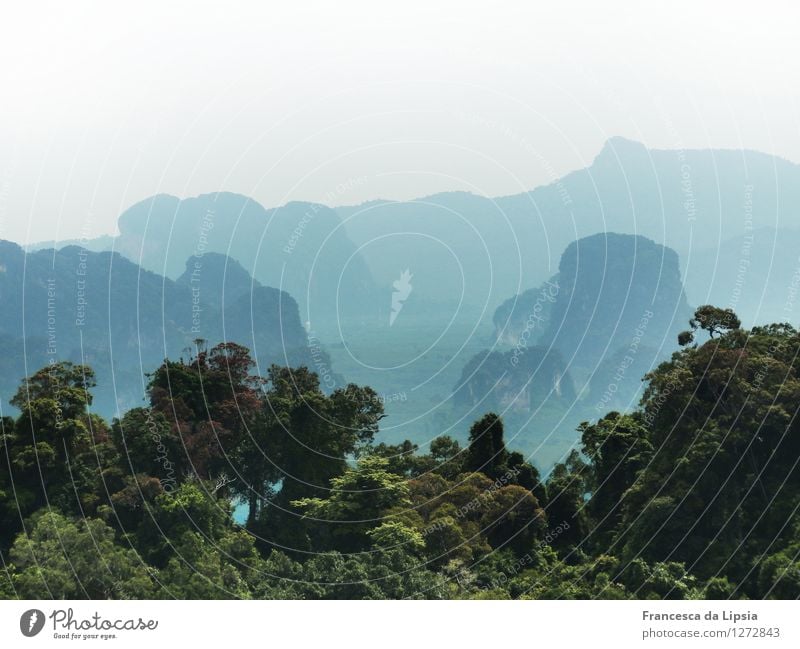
301,442
487,450
694,494
63,559
358,502
720,420
779,574
618,449
55,454
714,320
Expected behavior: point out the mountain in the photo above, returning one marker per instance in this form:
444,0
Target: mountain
404,294
530,388
102,309
615,292
521,319
457,246
216,278
300,248
577,346
490,248
467,253
757,274
612,291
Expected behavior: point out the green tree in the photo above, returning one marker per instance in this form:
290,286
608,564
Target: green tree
618,449
147,444
487,450
211,403
725,441
359,501
64,559
712,319
56,453
301,443
567,487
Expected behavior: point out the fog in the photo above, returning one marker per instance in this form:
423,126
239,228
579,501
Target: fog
337,103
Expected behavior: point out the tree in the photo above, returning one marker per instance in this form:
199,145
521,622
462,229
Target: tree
567,486
513,519
359,501
722,425
403,458
147,444
303,442
779,575
691,495
618,449
63,559
487,450
212,402
662,580
64,383
53,406
712,319
56,453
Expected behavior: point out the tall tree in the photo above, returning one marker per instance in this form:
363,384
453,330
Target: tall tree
618,449
487,450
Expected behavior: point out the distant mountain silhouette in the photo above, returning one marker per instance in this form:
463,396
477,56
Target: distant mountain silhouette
688,200
102,309
471,252
616,291
756,273
472,269
523,318
578,345
300,248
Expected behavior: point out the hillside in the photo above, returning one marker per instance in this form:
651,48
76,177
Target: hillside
102,309
687,200
300,248
578,345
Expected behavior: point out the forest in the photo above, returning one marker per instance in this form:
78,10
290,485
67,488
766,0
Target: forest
693,494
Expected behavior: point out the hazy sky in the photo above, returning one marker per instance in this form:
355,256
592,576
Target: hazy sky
341,102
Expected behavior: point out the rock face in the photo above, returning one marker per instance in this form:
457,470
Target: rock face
102,309
577,346
521,320
616,292
514,382
532,389
216,278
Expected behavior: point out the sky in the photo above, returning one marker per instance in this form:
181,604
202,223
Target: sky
103,104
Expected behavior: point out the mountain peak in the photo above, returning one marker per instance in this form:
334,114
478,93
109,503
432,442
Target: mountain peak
621,147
